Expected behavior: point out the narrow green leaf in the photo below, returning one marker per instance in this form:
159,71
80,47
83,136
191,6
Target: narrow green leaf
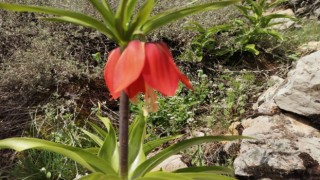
105,11
94,150
136,137
119,17
94,137
98,130
100,176
266,19
131,4
66,16
219,28
141,17
252,48
207,176
243,9
109,150
256,7
153,178
271,32
211,169
151,145
166,176
196,26
171,15
149,164
86,159
276,3
104,120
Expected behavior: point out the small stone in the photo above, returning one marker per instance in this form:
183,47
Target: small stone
171,164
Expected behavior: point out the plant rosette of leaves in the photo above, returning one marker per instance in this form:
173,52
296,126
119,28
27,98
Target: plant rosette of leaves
112,160
247,32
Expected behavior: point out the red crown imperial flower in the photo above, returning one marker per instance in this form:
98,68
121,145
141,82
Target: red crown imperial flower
141,68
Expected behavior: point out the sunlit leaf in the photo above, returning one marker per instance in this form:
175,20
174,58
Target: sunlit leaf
86,159
65,16
152,162
164,176
151,145
171,15
252,48
207,176
109,150
215,169
94,137
100,176
142,16
136,138
98,130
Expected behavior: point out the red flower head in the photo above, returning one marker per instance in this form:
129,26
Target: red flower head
142,67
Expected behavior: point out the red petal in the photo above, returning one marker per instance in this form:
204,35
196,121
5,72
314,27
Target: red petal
183,78
159,72
129,66
113,58
136,87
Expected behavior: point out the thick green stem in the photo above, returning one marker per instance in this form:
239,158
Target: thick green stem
123,135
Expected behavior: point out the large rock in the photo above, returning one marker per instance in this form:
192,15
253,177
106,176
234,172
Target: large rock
306,8
284,148
301,92
286,144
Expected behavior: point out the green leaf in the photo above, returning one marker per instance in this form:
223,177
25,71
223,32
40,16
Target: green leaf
93,150
104,120
109,150
151,145
207,176
100,176
94,137
105,12
98,130
270,32
256,7
211,169
141,17
119,17
131,4
86,159
195,26
149,164
165,176
276,3
136,137
266,19
243,9
219,28
251,48
65,16
171,15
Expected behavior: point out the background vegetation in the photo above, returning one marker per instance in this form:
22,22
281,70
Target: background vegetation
51,80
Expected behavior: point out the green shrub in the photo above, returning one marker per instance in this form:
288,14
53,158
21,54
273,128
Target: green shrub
239,35
177,113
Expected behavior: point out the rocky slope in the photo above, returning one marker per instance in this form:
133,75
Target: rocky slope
286,128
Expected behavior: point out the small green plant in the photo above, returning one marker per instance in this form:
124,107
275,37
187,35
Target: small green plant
232,95
177,113
239,35
103,158
57,123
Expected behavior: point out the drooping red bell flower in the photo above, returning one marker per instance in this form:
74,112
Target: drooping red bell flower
142,68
